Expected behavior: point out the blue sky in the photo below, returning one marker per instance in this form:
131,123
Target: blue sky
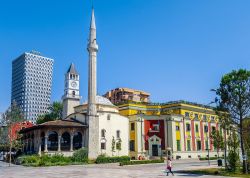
174,49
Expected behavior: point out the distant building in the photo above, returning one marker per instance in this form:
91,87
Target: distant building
120,95
31,84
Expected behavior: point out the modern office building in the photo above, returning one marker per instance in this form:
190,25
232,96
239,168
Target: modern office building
31,84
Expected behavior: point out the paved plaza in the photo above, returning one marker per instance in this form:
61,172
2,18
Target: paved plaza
97,171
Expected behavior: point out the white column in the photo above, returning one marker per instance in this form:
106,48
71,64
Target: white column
182,136
59,143
71,142
46,143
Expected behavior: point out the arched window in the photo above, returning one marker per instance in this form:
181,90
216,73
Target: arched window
65,141
77,141
42,141
103,133
73,93
52,141
118,134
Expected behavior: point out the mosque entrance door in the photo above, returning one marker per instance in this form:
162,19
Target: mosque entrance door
155,150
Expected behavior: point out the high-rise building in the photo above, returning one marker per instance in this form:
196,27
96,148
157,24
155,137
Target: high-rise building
31,84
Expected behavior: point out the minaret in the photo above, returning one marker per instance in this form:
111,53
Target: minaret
93,120
92,49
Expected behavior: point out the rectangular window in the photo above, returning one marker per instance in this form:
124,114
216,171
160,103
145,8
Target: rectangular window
155,127
178,144
187,127
103,146
177,128
132,145
204,117
188,145
206,144
205,128
197,128
186,114
198,143
118,133
195,116
132,126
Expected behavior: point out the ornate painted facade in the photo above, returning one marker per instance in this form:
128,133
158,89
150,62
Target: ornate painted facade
179,128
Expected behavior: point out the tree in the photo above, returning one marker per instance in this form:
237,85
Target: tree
56,110
234,93
217,140
119,145
246,137
55,113
12,115
225,122
233,156
113,146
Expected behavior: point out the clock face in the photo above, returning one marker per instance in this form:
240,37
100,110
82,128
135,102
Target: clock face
74,84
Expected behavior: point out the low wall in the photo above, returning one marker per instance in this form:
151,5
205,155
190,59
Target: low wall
195,154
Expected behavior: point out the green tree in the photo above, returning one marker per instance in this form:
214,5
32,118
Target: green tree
56,110
225,122
113,146
12,116
55,113
246,137
234,93
233,156
119,145
217,140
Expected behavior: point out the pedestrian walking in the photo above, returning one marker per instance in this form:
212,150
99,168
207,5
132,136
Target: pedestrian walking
169,166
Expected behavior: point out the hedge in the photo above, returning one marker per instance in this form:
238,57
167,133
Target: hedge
79,157
141,162
103,159
210,158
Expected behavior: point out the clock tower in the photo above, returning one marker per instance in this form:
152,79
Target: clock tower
71,97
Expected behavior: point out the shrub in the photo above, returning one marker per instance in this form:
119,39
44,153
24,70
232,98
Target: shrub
103,159
122,163
80,155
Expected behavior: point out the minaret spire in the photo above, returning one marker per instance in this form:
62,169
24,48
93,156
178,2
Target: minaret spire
92,49
93,119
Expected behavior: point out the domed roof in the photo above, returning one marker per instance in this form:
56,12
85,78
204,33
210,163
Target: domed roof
103,100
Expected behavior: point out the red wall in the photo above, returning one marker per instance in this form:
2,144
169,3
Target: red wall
161,134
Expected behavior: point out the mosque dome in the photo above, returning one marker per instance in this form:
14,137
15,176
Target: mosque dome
103,100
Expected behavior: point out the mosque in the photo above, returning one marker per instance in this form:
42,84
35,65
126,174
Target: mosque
95,125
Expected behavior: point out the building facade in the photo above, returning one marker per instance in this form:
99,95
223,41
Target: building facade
180,129
31,84
120,95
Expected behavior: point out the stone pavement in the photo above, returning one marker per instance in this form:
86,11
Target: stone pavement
93,171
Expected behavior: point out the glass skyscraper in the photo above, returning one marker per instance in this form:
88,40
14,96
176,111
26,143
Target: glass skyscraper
31,84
